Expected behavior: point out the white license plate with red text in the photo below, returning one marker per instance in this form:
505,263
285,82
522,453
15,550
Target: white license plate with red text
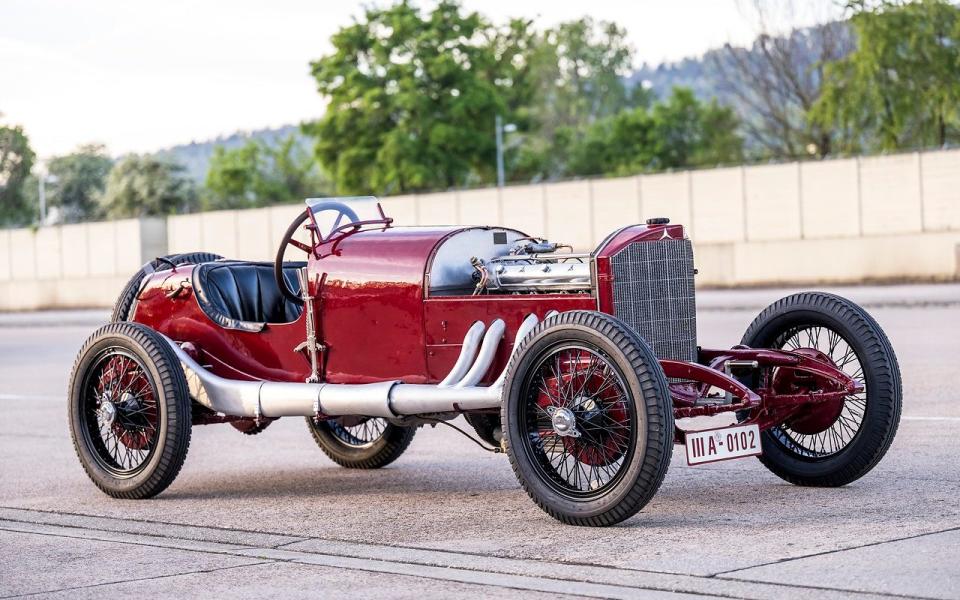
725,443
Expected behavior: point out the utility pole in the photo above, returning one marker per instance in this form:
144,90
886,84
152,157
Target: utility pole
499,126
43,178
500,130
42,194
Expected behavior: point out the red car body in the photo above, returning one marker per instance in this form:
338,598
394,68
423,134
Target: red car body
377,321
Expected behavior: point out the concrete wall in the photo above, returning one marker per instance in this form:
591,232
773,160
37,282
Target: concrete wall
879,218
75,265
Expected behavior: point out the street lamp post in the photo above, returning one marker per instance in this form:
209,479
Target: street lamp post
500,130
42,180
42,194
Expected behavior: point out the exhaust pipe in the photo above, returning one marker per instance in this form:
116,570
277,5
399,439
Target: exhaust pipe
457,392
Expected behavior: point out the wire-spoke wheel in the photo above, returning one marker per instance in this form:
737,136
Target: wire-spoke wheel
831,443
587,418
830,427
360,442
578,421
129,411
119,412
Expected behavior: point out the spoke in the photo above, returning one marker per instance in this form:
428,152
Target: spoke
588,463
838,435
125,444
833,339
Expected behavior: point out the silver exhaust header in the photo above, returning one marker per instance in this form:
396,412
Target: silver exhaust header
457,392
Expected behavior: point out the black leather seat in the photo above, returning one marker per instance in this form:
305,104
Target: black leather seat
244,295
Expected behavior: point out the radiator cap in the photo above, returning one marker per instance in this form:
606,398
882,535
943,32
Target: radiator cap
658,221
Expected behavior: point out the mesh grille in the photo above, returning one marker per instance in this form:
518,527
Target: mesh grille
653,294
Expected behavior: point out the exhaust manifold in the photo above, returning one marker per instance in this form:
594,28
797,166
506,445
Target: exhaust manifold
458,391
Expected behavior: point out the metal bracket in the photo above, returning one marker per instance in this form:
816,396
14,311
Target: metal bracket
310,344
730,366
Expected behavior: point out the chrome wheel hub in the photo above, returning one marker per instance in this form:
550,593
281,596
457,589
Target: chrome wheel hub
129,402
564,421
107,412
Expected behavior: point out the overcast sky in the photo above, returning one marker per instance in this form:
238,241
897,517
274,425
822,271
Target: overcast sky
143,75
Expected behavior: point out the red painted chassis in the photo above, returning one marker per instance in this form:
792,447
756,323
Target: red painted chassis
376,321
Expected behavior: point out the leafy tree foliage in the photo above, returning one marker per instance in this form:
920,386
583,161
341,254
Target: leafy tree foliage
16,160
409,105
580,69
77,182
140,186
578,77
413,97
901,87
678,132
258,174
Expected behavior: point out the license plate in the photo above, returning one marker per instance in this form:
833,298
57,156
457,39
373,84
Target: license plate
724,443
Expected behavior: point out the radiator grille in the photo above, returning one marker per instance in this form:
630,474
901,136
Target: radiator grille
653,293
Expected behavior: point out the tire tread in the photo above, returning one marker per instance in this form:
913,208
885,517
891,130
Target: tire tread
394,442
886,387
658,416
176,395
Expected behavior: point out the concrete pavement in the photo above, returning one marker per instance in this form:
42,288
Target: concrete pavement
270,516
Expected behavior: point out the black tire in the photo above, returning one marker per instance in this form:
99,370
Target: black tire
348,447
487,427
877,409
644,455
121,309
155,419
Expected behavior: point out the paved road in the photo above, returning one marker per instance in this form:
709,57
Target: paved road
271,516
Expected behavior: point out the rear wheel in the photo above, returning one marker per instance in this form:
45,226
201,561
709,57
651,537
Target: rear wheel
121,309
360,442
587,419
129,411
834,443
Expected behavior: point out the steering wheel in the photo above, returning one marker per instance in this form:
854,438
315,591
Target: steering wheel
342,210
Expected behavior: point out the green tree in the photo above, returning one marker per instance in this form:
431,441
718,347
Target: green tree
617,145
413,96
77,182
578,72
16,160
581,66
676,133
139,186
900,88
689,133
409,106
258,174
232,176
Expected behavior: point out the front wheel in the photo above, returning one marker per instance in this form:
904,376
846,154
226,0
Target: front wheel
129,411
587,419
831,444
360,442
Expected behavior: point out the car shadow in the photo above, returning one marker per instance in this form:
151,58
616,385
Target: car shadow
337,482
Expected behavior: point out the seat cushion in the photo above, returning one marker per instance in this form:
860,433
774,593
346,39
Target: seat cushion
244,295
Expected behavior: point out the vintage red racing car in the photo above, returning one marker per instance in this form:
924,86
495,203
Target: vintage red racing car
579,366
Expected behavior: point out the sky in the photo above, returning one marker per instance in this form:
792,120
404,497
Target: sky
141,75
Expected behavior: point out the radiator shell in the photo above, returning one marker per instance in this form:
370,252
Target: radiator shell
653,292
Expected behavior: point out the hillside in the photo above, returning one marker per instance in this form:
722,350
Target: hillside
195,156
697,73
